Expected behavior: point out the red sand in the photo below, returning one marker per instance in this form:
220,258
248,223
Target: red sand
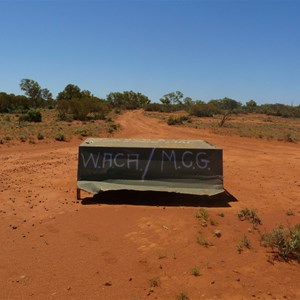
54,247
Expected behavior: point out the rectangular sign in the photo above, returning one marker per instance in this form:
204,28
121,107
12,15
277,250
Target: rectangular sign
170,165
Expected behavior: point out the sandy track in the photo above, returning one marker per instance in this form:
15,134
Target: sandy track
53,247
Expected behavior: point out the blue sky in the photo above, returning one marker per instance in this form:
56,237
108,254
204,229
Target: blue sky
206,49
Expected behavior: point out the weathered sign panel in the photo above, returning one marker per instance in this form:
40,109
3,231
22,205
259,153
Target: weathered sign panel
184,166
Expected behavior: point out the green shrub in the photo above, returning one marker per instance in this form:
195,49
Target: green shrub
31,116
86,108
177,120
195,271
63,116
203,110
251,215
7,118
202,214
182,296
83,132
221,214
174,121
154,107
23,137
290,137
281,110
286,241
201,240
40,136
154,282
60,137
244,243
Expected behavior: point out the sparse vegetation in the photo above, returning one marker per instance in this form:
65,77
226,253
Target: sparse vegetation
239,248
74,103
195,271
154,282
213,222
244,243
220,214
31,116
251,215
202,214
291,137
40,136
60,137
182,296
201,109
49,127
217,233
113,127
23,137
290,212
225,117
201,240
254,126
174,121
285,241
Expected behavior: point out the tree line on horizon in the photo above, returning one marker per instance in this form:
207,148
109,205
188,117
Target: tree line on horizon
77,104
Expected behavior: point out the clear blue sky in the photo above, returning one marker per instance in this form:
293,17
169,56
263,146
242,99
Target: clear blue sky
206,49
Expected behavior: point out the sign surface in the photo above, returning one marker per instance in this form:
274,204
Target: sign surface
193,167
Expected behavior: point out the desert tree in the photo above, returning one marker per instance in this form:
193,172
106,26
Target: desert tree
71,91
172,98
34,92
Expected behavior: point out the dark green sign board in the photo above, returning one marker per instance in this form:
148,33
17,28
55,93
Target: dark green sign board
193,167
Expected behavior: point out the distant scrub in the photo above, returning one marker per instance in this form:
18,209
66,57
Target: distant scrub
203,110
177,120
31,116
157,107
75,104
154,107
128,100
12,103
88,108
60,137
280,110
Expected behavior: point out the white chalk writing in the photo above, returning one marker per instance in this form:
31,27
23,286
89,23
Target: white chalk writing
164,161
91,157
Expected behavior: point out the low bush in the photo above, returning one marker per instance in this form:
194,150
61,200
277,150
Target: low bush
60,137
174,121
40,136
182,296
154,107
202,214
23,137
286,241
82,109
177,120
281,110
251,215
201,240
154,282
203,110
31,116
195,271
244,243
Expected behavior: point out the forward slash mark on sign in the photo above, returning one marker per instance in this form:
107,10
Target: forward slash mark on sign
148,164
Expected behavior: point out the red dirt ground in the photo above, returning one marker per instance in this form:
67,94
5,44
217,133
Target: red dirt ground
54,247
